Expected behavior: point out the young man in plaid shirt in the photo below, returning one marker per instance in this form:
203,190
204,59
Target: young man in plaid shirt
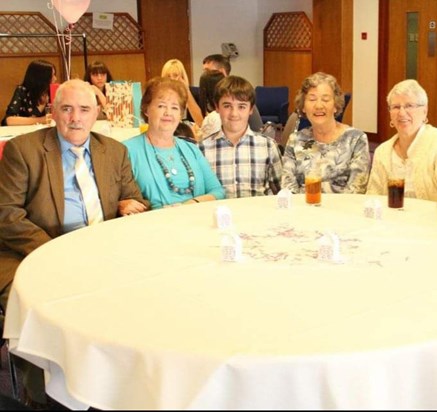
247,163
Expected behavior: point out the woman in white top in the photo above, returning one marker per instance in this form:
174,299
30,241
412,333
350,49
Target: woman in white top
413,150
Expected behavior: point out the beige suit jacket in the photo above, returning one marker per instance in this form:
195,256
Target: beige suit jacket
32,191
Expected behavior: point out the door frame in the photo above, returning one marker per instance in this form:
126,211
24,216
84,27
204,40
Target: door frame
383,68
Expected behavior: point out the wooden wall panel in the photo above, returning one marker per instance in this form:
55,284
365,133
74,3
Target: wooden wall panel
287,69
395,40
122,66
124,55
333,42
393,22
166,33
287,52
427,65
12,71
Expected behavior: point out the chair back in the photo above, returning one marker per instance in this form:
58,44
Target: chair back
304,122
195,91
2,146
272,103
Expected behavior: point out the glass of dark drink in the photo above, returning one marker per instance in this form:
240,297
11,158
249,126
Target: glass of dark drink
396,188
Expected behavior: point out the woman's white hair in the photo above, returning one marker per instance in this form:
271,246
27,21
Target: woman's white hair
409,87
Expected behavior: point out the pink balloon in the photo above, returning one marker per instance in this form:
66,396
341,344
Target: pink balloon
71,10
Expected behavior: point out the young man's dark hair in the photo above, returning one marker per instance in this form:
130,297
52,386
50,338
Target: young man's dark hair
237,87
218,62
221,63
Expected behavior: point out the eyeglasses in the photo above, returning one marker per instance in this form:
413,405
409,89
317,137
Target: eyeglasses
395,108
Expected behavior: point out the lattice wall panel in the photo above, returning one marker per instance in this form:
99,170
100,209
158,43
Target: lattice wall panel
126,35
288,31
25,23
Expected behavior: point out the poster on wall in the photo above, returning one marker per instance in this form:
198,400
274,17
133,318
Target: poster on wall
103,21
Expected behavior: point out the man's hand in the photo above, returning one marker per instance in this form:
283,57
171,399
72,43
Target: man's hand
130,207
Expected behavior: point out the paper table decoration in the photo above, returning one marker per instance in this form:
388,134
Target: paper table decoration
231,247
222,217
373,209
329,248
284,199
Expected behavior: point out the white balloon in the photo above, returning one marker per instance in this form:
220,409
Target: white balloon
71,10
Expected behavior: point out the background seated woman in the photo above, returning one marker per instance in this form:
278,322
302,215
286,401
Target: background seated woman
97,75
31,97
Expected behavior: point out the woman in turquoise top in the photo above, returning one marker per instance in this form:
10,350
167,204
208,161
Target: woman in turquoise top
169,170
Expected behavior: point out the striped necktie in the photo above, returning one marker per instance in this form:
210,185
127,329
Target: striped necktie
88,187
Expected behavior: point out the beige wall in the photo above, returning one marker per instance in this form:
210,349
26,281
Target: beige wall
245,21
242,22
365,65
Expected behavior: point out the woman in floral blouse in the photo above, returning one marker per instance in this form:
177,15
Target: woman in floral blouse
30,98
340,151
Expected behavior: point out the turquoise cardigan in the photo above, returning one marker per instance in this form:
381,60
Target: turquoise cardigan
152,182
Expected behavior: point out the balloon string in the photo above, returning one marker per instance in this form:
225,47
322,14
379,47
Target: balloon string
68,40
64,40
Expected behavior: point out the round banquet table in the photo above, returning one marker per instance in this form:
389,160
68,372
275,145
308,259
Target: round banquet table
142,313
100,126
9,132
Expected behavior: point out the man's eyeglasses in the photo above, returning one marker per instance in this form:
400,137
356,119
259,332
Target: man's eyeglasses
395,108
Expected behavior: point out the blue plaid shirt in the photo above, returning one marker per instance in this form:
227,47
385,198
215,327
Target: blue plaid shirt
253,167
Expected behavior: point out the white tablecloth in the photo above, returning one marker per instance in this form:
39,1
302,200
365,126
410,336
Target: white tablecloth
117,133
9,132
141,313
101,126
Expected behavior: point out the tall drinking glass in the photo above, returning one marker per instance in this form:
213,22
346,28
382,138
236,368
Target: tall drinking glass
313,186
48,113
396,189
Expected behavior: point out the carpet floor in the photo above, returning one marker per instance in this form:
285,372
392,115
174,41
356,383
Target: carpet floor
6,383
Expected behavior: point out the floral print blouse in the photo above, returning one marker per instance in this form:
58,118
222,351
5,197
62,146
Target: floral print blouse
22,105
344,163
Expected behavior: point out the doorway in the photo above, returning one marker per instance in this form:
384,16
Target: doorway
166,33
407,49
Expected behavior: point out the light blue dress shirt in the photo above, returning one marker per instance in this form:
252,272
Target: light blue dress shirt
75,215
